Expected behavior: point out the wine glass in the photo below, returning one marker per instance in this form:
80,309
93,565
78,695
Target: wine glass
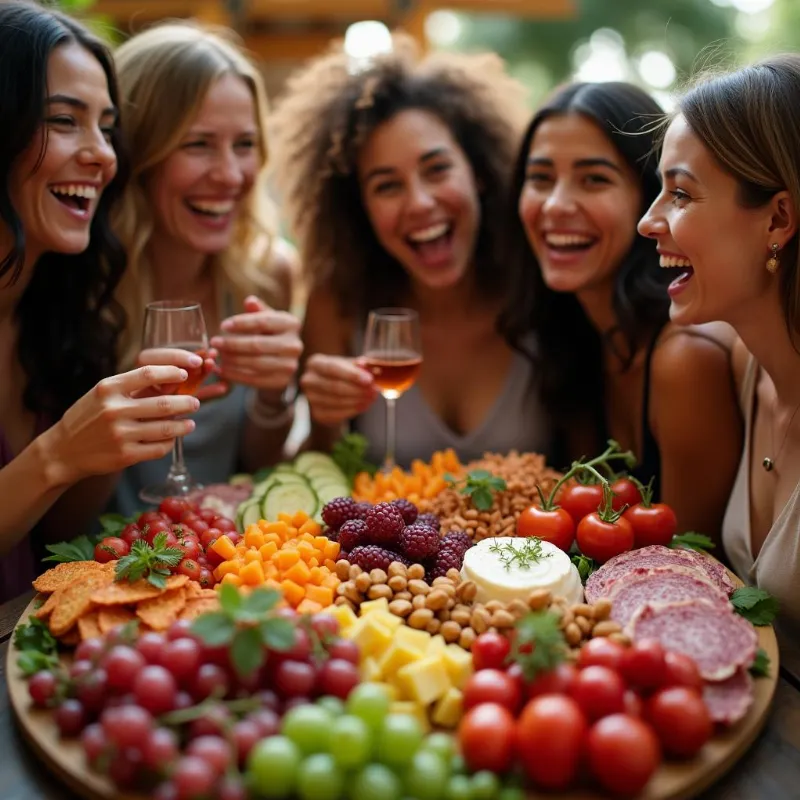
176,324
393,354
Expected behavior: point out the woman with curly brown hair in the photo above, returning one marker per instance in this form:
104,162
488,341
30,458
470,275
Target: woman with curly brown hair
395,181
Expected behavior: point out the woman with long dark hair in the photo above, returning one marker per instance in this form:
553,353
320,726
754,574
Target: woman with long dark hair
611,365
64,423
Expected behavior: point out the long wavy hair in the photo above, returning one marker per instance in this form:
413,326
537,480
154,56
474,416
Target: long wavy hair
164,75
568,353
69,323
319,125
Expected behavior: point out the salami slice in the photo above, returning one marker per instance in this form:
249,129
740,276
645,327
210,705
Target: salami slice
652,557
728,701
659,585
719,641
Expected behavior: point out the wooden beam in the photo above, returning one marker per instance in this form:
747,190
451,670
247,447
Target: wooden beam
274,46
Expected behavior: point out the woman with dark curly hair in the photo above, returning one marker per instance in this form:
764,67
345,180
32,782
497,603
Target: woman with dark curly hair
395,180
64,424
591,289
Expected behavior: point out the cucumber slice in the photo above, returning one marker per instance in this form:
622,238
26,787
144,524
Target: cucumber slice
304,461
289,477
250,513
283,468
289,498
320,472
331,491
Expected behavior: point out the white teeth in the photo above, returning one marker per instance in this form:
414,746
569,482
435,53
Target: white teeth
75,190
668,262
567,239
212,207
429,234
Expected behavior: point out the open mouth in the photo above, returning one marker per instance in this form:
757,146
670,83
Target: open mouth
678,262
569,242
74,196
432,243
212,209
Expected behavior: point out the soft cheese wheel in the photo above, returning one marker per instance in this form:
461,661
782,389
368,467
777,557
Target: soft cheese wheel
497,580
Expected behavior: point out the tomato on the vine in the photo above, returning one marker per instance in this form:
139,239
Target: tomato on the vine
681,720
580,500
643,664
680,670
490,651
558,680
486,737
553,525
602,540
652,523
626,493
492,686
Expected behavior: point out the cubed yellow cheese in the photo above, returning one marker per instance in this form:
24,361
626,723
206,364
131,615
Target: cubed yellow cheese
436,645
396,657
344,616
371,606
371,636
418,640
412,710
448,709
458,663
393,690
387,618
370,670
425,680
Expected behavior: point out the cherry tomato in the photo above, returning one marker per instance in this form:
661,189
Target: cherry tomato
207,538
603,540
599,691
486,738
626,493
152,529
152,516
550,735
197,525
600,652
190,547
110,549
490,651
681,671
173,507
680,719
555,526
190,568
234,537
206,579
655,524
634,707
131,533
224,524
493,686
623,753
642,664
580,500
555,681
208,515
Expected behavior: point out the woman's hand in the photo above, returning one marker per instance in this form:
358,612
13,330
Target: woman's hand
260,348
337,389
123,420
175,356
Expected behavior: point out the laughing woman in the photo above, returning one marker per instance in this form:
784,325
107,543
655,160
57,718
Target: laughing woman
196,224
65,425
395,180
610,362
728,216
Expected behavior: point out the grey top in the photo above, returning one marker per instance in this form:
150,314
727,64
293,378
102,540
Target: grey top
515,421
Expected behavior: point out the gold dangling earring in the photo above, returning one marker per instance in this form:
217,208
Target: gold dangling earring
772,261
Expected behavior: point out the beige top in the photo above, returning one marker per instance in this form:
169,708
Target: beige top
776,568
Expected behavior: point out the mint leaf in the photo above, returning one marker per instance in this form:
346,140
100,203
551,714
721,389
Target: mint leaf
479,475
482,499
755,605
247,651
229,598
277,634
34,635
584,565
692,541
349,455
260,601
761,664
80,549
214,628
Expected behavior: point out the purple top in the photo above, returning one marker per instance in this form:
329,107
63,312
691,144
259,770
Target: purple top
18,567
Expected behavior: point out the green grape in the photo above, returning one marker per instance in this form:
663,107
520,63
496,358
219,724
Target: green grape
511,793
457,765
459,787
309,727
350,744
485,785
427,776
320,778
272,766
370,701
333,705
398,739
442,744
376,781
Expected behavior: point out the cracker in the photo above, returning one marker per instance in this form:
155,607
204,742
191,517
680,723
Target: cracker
65,573
195,590
76,600
89,625
160,612
71,638
110,617
44,611
194,608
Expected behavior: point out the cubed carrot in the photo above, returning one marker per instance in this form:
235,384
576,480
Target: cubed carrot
313,561
271,583
330,564
292,592
253,537
299,573
306,550
231,578
224,547
307,606
331,550
320,542
226,567
252,555
281,528
284,517
267,550
299,518
287,558
316,574
252,574
319,594
311,526
305,536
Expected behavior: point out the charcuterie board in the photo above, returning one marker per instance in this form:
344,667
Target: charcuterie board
65,758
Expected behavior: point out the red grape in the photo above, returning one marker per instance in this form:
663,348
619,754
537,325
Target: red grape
210,678
155,689
42,687
338,678
90,649
344,649
212,723
245,733
70,717
165,791
183,700
123,769
325,625
122,665
77,669
180,629
193,778
91,690
267,721
231,787
295,678
127,726
213,750
181,657
160,749
301,649
94,741
269,700
150,644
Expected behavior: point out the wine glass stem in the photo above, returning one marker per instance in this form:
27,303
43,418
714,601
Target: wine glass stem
178,469
391,433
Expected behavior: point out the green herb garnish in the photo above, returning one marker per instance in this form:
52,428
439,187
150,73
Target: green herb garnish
539,645
524,557
349,455
692,541
38,648
151,562
761,664
585,565
80,549
479,485
755,605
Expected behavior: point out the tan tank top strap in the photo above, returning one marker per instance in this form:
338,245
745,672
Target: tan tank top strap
748,385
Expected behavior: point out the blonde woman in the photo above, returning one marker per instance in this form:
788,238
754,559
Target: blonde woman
195,222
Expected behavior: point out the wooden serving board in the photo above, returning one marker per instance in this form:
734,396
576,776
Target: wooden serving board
673,781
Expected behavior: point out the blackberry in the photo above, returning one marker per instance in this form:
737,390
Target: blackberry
330,533
407,509
430,519
419,542
361,510
446,559
370,557
338,511
384,524
458,541
351,534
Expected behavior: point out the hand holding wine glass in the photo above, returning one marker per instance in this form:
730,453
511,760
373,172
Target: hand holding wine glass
393,355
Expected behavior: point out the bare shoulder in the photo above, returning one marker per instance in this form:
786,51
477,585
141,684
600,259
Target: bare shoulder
326,329
685,355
